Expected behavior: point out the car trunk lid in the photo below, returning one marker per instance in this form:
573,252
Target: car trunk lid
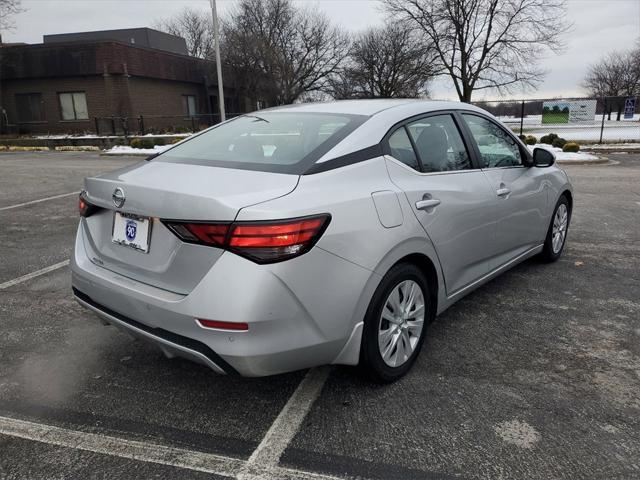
161,190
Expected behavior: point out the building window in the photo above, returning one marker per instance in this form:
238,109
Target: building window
189,105
74,106
30,107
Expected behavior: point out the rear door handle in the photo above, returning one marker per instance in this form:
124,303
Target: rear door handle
428,203
503,192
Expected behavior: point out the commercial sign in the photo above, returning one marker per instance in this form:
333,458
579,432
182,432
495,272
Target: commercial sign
629,107
569,111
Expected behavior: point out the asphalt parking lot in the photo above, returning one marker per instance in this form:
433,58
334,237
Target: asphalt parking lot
536,375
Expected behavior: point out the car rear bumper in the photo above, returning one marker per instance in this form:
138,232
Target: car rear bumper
300,312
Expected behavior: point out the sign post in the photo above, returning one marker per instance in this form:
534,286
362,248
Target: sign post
216,34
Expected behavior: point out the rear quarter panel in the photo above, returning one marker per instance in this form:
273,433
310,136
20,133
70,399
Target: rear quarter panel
356,234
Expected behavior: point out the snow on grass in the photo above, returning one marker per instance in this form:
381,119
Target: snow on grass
613,146
168,134
564,156
127,150
95,137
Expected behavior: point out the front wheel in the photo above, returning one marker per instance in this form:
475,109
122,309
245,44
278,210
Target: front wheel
557,233
395,323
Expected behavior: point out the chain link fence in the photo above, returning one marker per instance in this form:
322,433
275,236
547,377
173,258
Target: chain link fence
582,120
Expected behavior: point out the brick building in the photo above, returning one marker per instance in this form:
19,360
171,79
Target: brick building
75,83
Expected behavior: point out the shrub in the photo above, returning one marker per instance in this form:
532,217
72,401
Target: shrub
546,139
530,140
159,141
552,136
559,142
146,143
571,147
522,137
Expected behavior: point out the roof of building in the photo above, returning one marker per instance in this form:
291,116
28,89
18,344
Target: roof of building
100,57
142,37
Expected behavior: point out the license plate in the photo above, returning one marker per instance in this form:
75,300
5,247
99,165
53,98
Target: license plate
131,231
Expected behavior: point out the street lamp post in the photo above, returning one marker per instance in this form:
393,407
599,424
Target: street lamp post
216,35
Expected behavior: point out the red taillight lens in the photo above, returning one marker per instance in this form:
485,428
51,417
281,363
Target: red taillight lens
208,234
283,235
85,208
262,242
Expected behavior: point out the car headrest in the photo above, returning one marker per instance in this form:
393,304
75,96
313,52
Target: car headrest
432,143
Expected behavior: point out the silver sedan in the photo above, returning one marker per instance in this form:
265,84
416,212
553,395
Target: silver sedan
324,233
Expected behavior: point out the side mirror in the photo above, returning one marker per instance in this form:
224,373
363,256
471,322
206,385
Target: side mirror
543,157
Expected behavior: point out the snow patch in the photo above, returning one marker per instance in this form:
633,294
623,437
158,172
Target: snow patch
611,146
126,150
560,155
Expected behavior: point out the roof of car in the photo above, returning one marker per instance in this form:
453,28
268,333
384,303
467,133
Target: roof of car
371,107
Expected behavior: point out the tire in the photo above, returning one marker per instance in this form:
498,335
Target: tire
404,329
552,251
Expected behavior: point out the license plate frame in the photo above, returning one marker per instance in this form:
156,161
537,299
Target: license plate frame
121,233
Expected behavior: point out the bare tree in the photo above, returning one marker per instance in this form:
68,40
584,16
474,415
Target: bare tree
195,26
386,62
280,52
487,44
9,8
617,74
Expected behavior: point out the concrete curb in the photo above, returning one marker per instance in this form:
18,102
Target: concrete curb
107,154
597,161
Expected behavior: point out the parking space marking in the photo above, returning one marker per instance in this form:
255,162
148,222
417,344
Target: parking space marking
31,275
120,447
141,451
267,455
40,200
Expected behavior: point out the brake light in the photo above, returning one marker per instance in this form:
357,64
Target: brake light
86,209
261,242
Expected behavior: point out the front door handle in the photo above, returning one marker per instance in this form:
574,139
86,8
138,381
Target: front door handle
427,203
503,192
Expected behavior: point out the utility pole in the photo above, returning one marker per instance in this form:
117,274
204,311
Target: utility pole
216,36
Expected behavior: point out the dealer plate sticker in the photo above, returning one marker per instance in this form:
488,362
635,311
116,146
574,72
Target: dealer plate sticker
131,231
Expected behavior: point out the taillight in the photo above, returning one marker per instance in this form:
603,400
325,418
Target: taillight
85,208
261,242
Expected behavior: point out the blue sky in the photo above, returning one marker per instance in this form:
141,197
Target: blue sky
599,26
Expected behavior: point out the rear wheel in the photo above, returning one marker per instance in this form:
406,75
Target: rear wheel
557,233
395,323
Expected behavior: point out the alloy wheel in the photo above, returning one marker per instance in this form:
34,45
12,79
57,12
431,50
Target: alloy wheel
401,323
559,231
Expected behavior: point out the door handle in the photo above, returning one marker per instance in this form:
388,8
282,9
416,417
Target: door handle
427,203
503,192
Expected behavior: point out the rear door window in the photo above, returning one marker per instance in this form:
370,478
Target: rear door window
268,141
439,144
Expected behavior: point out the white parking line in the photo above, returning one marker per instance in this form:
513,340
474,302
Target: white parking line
31,275
266,456
38,201
141,451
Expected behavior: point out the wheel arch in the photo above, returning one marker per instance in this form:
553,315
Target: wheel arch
418,251
428,268
567,193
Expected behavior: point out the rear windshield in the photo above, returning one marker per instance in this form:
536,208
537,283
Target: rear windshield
280,142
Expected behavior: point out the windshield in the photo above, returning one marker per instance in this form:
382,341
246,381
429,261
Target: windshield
280,142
